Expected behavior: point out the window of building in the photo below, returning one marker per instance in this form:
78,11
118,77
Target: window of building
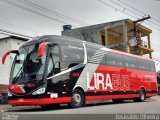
103,40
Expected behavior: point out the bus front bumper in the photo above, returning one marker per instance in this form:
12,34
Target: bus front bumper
41,101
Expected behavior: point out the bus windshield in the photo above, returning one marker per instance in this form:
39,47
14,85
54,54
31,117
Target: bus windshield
27,66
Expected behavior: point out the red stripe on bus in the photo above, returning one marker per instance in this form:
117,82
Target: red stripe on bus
40,101
109,97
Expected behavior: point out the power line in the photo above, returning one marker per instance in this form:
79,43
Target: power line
13,33
155,58
17,26
153,26
125,8
129,14
51,11
138,11
106,4
116,9
21,27
132,7
27,9
135,13
121,11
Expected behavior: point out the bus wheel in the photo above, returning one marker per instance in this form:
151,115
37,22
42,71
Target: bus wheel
77,99
117,100
142,96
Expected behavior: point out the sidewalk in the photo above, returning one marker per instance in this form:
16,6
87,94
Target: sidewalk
156,98
6,107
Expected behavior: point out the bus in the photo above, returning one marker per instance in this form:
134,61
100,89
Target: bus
52,70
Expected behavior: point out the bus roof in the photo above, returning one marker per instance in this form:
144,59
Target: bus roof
132,55
64,39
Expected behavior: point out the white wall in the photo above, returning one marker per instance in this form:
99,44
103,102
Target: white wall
5,45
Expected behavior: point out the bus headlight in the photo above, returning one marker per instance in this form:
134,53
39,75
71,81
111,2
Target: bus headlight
39,91
9,94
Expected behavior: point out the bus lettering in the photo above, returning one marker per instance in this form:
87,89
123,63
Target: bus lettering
100,81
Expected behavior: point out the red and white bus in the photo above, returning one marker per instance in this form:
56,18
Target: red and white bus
53,69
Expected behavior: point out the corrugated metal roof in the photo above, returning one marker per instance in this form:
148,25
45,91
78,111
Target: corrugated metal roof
15,37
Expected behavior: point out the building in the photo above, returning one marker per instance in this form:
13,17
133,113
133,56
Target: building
7,43
124,35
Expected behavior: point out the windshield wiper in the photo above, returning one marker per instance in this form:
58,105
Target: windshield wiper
16,77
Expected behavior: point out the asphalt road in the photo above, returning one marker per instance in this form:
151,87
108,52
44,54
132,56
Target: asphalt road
150,106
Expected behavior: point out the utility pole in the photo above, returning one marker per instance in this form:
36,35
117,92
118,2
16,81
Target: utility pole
139,20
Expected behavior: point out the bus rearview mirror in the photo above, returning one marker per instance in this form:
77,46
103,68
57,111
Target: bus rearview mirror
7,53
41,49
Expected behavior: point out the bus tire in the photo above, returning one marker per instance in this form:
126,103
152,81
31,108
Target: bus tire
117,100
77,99
142,96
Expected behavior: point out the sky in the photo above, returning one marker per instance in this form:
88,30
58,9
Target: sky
22,17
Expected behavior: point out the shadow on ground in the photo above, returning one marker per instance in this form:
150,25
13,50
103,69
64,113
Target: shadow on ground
65,106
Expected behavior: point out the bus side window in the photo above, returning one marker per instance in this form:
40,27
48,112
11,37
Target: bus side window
50,67
114,59
152,66
72,55
129,62
56,59
93,54
143,64
146,64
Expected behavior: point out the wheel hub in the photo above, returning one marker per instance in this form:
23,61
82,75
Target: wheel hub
76,98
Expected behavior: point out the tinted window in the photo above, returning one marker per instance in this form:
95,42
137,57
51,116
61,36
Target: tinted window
71,56
95,55
130,62
143,64
152,66
56,59
50,67
114,59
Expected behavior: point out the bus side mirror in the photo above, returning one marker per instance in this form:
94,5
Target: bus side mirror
41,48
7,53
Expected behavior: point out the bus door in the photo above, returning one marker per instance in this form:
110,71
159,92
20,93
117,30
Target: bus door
55,83
71,55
